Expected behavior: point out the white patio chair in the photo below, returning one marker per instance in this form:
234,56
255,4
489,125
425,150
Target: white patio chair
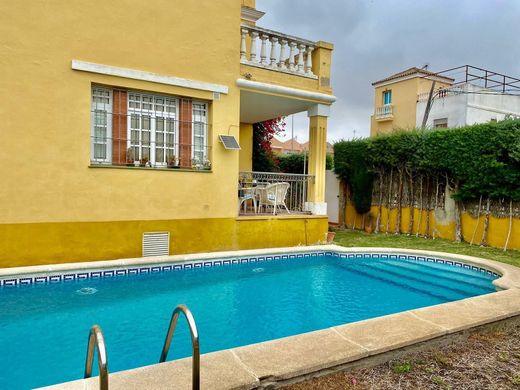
247,193
273,195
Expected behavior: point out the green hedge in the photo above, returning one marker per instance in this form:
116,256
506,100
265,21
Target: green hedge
293,163
482,160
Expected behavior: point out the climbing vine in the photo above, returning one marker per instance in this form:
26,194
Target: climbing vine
264,159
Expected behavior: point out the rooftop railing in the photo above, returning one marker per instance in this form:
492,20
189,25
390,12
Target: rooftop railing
273,50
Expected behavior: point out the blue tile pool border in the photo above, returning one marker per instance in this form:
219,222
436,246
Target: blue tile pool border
118,271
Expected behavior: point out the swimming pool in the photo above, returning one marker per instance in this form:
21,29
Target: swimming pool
235,301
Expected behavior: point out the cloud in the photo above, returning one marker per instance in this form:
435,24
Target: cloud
376,38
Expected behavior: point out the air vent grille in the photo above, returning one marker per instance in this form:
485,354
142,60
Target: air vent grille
156,244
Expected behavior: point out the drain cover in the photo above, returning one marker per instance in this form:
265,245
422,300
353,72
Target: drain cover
86,291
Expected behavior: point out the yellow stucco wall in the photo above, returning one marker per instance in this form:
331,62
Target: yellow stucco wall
246,147
46,107
404,102
46,243
55,207
497,231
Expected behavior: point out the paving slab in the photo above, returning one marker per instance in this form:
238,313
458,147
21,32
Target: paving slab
468,313
298,355
383,334
219,371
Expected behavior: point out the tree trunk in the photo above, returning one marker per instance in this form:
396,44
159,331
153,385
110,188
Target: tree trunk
428,206
355,219
380,210
478,220
436,191
411,203
387,228
420,207
483,242
458,223
510,223
342,214
399,203
363,222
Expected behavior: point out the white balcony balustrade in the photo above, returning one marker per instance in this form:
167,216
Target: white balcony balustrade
384,112
279,52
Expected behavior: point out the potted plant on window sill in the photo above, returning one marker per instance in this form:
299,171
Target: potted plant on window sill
130,157
196,164
206,165
173,162
144,162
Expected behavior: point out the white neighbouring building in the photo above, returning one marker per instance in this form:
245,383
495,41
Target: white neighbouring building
467,104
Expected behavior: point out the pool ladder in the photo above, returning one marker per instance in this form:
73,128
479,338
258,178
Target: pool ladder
97,341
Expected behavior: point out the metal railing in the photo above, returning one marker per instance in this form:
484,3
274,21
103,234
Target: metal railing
384,112
194,342
97,341
296,194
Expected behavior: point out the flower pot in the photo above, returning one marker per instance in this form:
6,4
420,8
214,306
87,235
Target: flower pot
330,236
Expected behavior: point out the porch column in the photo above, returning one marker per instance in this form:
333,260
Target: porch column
318,115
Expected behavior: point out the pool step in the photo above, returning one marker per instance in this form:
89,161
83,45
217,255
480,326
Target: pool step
444,269
452,284
452,275
443,294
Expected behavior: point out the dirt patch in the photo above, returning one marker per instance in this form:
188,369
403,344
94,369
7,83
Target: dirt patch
488,359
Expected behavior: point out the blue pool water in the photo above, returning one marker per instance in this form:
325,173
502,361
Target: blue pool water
44,328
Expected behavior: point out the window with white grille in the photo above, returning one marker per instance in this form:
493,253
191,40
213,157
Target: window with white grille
153,127
137,129
200,131
440,123
101,120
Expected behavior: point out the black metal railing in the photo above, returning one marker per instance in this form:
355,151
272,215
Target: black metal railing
295,198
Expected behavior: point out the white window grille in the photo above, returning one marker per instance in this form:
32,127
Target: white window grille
153,127
101,122
440,123
199,132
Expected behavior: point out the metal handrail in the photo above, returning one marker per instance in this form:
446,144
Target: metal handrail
97,341
194,342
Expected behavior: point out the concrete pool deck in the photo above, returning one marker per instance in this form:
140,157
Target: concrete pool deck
279,361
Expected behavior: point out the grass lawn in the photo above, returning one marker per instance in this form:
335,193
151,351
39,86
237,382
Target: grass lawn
351,238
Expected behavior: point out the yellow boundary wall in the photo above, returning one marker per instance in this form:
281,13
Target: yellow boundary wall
50,243
497,230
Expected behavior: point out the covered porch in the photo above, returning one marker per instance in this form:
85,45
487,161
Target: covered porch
282,193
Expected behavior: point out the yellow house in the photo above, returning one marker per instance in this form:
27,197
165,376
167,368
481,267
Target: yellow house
396,97
113,113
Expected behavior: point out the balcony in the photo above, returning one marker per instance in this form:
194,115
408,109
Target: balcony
258,185
384,113
281,74
272,50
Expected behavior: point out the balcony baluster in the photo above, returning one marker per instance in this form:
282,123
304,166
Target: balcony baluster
263,50
252,53
274,41
301,50
298,61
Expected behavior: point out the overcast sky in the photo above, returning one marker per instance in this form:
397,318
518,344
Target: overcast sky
376,38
